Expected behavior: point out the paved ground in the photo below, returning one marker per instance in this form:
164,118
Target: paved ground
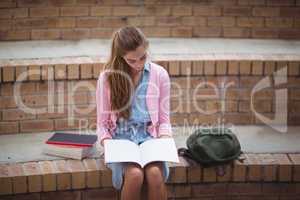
160,48
253,139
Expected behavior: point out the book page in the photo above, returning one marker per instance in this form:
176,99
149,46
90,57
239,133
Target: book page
118,150
163,149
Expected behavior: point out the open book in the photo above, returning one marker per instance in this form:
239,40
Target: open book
118,150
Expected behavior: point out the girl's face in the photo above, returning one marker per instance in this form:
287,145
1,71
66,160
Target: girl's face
136,59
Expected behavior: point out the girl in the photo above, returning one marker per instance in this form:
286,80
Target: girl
133,103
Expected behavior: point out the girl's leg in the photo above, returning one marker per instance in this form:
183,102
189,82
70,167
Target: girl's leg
156,187
133,181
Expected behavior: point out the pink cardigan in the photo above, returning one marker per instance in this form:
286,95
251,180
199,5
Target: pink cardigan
157,100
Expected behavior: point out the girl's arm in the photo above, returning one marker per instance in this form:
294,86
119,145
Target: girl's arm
103,110
165,128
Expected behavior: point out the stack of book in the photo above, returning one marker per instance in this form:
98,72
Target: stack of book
70,145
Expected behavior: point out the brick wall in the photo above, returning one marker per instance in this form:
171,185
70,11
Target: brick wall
82,19
260,176
59,92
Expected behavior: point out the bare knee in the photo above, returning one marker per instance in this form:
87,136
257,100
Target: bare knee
134,175
154,173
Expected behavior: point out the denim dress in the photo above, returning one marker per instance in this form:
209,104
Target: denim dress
135,128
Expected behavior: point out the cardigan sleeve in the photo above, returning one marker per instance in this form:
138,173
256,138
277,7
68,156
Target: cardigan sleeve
103,110
165,127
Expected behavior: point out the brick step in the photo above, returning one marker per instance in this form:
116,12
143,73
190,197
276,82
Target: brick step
258,175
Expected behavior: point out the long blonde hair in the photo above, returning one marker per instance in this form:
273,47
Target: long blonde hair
125,39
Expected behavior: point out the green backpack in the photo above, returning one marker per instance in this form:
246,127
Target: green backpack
212,146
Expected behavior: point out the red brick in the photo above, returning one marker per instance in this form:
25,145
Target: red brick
186,68
105,174
77,174
197,68
289,12
36,125
63,175
233,67
5,25
174,68
126,10
48,176
289,33
166,21
257,68
207,11
66,195
221,21
209,190
15,35
43,12
156,10
279,22
19,178
60,72
8,4
8,74
266,11
20,12
245,67
114,22
33,173
5,180
182,10
86,71
74,34
209,174
50,34
269,67
209,67
228,174
66,22
237,11
34,73
254,168
236,32
141,21
9,127
16,114
47,72
194,174
88,22
101,32
265,33
194,21
68,123
73,71
244,188
295,158
101,11
239,171
251,2
280,2
178,171
103,193
221,68
74,11
182,32
182,191
207,31
285,167
250,22
92,173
